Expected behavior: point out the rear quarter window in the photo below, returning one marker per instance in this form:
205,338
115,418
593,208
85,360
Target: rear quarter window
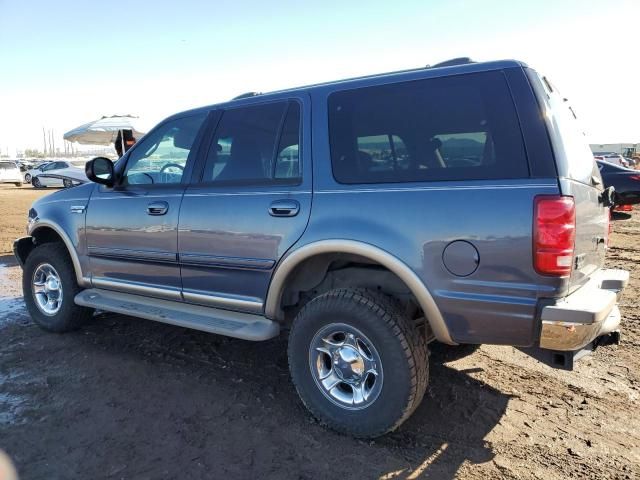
451,128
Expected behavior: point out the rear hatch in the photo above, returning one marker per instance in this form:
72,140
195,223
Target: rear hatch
579,178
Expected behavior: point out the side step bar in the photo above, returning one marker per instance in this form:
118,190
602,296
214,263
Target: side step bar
208,319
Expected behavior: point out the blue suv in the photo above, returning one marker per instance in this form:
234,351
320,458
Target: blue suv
368,217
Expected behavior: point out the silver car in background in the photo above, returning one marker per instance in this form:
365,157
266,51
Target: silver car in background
59,173
10,173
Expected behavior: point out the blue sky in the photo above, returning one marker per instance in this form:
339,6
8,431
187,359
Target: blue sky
64,63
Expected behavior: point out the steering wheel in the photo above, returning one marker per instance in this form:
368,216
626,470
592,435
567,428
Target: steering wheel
167,166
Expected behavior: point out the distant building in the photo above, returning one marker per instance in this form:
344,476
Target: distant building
624,149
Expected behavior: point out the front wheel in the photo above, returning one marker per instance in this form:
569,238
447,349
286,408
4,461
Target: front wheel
27,178
36,183
358,363
66,183
49,286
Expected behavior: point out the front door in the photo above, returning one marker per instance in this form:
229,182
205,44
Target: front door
132,228
249,202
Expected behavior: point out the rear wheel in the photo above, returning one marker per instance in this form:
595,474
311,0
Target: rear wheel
49,286
66,183
357,362
18,184
27,177
36,183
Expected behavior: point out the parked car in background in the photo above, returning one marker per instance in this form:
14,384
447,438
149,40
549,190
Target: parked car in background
611,157
626,182
10,173
35,170
59,174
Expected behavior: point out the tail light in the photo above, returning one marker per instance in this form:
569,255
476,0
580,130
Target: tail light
554,230
634,177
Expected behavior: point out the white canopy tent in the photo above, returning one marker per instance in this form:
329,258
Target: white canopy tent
104,131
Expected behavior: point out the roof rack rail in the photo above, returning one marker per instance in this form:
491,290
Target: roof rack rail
246,95
452,62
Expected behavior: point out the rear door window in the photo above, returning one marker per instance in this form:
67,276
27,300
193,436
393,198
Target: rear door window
451,128
256,145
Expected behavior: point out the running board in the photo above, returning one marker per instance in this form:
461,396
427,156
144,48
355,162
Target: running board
207,319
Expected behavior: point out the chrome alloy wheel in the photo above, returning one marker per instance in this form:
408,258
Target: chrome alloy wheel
345,366
47,289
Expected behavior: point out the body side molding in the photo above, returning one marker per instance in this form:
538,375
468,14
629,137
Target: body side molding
384,258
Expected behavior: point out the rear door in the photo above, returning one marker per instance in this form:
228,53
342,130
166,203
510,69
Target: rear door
249,202
579,177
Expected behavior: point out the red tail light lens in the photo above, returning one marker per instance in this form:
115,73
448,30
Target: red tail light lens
634,177
554,230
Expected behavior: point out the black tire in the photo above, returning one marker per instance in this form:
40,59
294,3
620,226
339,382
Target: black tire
69,316
67,183
402,351
36,182
18,184
27,178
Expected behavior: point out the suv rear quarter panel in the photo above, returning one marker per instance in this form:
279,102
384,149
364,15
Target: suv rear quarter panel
416,221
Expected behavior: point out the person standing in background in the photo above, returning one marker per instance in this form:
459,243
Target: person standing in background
129,141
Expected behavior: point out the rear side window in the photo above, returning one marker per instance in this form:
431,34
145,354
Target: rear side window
256,145
453,128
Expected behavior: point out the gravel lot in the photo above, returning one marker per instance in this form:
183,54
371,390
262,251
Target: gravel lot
128,398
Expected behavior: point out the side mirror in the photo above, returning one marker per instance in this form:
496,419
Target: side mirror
100,170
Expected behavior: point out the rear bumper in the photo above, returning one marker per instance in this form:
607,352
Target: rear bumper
575,321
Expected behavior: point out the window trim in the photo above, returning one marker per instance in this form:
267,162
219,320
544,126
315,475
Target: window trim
294,182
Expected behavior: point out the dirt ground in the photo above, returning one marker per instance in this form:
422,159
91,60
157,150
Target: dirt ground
14,206
125,398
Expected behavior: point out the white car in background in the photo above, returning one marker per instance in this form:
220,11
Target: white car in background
32,172
10,173
59,173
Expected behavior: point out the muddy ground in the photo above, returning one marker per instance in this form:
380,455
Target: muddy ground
128,398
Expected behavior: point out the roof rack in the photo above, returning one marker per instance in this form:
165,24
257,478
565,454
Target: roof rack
246,95
452,62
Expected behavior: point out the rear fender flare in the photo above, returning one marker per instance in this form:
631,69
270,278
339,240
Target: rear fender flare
286,266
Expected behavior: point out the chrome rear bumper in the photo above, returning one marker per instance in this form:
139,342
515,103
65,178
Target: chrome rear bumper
578,319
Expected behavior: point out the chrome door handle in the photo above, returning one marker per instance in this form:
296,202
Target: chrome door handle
284,208
157,208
